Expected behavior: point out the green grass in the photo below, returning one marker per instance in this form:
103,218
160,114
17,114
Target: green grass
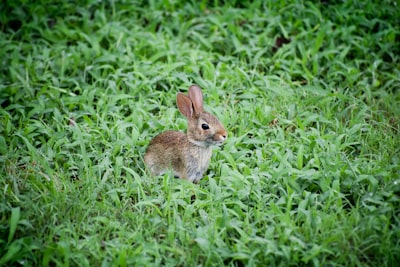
309,175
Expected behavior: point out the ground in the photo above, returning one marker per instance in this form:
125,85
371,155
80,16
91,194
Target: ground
308,92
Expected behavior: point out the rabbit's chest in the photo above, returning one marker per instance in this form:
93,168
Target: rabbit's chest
197,163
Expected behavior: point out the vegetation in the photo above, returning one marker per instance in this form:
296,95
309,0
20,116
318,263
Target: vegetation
309,94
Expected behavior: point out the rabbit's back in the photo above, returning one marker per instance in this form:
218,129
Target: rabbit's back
163,153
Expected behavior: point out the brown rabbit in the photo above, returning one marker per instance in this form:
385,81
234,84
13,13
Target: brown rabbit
187,154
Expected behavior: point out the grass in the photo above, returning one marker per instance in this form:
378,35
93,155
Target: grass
309,93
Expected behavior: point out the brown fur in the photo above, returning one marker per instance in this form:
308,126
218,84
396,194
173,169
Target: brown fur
188,155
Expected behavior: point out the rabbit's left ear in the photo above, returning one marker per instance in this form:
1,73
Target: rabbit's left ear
185,105
196,96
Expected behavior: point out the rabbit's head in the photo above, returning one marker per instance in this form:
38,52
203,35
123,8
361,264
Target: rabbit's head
204,129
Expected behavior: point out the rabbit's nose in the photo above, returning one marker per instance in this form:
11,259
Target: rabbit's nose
224,134
220,136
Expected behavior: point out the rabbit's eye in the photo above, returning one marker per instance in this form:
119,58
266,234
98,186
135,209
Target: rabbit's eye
205,126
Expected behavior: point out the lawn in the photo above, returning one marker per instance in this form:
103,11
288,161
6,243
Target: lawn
309,92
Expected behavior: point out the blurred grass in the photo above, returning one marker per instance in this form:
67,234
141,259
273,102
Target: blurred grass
308,92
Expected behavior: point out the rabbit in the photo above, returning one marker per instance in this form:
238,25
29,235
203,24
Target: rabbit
188,155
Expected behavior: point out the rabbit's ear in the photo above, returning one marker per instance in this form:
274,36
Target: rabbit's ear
196,96
185,105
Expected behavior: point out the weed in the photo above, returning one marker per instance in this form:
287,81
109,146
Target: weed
308,92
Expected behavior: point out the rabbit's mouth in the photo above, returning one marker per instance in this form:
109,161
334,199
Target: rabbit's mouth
213,141
218,143
219,138
207,142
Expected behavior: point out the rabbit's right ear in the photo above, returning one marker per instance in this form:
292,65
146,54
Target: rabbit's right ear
185,105
196,96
